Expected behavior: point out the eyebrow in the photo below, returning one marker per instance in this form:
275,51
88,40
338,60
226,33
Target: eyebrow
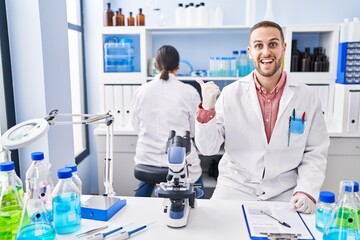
270,40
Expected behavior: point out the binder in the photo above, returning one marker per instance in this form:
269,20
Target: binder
118,107
127,98
353,113
262,223
109,98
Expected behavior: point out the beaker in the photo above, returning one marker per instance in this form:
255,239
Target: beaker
343,223
34,223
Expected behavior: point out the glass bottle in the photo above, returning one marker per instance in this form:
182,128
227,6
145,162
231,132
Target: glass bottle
6,157
295,57
35,223
119,18
324,209
131,20
108,16
66,204
357,199
140,18
243,62
75,177
343,222
40,170
10,202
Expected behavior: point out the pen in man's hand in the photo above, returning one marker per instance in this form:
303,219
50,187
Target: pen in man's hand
282,223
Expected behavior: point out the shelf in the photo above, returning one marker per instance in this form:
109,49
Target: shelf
191,78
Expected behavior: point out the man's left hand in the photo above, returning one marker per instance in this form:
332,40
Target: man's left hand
302,203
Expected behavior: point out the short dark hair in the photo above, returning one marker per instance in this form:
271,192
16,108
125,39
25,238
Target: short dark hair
167,59
268,24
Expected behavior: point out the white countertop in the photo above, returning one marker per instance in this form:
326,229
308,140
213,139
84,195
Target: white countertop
211,219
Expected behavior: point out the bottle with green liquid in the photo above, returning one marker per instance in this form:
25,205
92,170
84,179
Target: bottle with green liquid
10,202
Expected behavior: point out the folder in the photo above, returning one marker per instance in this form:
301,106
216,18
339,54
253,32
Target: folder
260,226
353,113
118,106
127,98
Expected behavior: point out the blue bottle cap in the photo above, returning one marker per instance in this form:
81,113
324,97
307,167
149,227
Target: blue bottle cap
243,51
348,188
327,197
356,186
64,173
72,166
35,156
6,166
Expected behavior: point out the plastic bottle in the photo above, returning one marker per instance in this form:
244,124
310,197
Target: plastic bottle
75,177
108,16
243,61
354,30
250,11
190,15
180,15
11,203
218,16
344,31
66,204
343,222
269,14
119,18
40,170
140,18
35,223
130,20
324,209
203,15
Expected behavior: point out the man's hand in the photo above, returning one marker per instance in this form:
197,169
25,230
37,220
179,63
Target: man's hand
209,92
302,203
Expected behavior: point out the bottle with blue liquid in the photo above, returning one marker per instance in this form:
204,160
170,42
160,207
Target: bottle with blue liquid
343,223
324,209
35,223
66,204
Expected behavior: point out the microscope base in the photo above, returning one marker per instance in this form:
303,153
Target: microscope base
175,222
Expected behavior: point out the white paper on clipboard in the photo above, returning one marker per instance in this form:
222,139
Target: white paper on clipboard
258,222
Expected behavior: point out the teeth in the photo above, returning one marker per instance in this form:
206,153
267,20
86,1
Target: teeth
267,61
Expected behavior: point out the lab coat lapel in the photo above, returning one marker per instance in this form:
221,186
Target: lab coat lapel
286,96
255,104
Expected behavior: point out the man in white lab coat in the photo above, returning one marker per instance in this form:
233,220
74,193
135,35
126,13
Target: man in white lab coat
273,128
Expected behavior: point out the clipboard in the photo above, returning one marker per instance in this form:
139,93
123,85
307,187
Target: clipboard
257,222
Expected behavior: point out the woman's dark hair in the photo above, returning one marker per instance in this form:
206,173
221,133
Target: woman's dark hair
167,59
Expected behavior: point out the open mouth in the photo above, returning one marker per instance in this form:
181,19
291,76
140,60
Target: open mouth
266,61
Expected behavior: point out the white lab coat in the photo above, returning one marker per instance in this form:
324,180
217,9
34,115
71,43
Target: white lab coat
239,123
158,107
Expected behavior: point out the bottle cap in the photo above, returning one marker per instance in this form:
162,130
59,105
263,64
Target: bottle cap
348,188
236,52
356,187
35,156
72,166
243,51
180,5
64,173
6,166
327,197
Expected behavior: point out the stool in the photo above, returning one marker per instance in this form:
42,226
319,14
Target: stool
150,174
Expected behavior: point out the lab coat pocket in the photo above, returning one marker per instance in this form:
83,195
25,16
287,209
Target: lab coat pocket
297,126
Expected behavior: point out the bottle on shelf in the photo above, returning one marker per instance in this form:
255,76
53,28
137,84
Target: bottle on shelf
295,57
130,20
140,18
66,204
108,16
179,15
75,177
218,17
202,15
324,209
354,30
11,204
40,170
306,61
269,14
343,222
34,218
344,31
190,15
243,64
119,18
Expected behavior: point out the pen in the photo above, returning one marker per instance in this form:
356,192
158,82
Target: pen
126,234
303,118
282,223
293,114
289,131
91,231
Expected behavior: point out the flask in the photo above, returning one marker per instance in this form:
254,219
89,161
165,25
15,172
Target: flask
130,20
357,198
35,223
324,209
108,16
343,222
66,204
179,15
119,18
40,170
6,157
10,202
243,61
75,177
140,18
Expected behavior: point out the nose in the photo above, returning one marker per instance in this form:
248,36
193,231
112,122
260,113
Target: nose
266,51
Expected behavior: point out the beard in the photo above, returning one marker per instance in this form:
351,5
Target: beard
268,74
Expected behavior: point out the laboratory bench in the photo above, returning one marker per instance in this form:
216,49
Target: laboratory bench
210,219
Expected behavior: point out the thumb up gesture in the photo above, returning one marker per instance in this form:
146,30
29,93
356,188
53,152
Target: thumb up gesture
209,92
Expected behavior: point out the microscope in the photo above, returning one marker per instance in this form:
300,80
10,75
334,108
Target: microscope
178,193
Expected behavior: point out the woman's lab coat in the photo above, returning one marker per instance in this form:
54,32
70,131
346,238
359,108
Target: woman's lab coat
158,107
239,123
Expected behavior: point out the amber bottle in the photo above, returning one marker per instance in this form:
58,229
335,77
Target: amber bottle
140,18
119,19
131,20
108,16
